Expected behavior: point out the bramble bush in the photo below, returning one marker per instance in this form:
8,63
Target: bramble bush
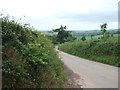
29,59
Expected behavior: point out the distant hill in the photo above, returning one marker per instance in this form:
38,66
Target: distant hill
94,32
84,32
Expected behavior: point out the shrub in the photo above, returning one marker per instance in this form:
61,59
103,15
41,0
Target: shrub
29,59
101,51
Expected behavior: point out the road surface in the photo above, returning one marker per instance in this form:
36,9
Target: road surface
93,74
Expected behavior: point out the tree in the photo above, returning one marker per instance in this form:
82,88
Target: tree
103,28
112,35
92,37
62,35
83,38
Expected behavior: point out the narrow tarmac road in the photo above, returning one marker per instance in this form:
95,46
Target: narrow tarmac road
93,74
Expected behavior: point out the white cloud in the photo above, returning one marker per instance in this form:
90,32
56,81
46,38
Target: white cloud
47,11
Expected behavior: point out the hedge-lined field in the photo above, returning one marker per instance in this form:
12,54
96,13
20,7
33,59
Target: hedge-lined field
102,51
29,59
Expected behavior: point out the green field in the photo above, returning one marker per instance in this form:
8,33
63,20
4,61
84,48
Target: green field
97,50
96,34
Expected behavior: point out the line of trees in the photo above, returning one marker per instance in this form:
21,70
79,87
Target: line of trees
66,36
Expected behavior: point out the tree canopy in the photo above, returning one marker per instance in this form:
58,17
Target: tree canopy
63,35
103,28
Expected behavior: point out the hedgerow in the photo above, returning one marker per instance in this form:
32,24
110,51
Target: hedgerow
102,51
29,59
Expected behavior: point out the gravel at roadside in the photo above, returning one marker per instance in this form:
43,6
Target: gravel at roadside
72,79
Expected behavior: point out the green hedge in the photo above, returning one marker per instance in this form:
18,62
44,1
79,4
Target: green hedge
101,51
29,59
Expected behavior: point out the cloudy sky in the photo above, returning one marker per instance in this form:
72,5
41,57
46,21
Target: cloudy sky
75,14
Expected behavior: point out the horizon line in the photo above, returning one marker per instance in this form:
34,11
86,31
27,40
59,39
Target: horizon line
80,30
